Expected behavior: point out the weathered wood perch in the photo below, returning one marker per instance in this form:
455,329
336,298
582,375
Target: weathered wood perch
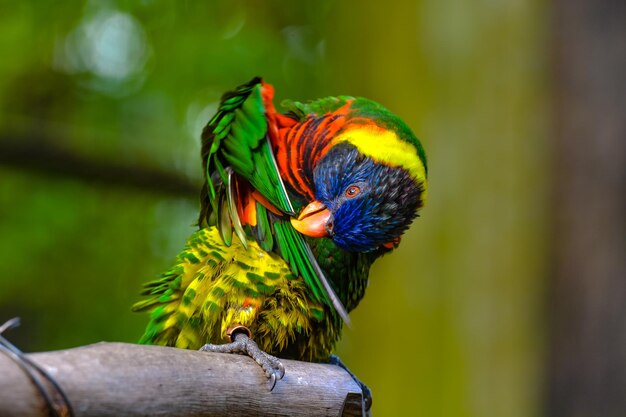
119,379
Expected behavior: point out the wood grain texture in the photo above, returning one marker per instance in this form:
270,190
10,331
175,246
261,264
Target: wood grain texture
115,379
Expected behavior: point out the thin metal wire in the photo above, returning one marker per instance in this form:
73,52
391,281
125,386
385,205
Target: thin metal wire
57,402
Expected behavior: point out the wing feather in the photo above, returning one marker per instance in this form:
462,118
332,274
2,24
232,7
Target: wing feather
236,146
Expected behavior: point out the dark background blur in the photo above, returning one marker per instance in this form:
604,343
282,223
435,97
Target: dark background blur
506,298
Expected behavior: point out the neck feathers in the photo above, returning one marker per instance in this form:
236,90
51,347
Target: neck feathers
299,146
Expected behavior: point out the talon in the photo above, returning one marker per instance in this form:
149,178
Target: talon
367,397
281,370
271,381
367,393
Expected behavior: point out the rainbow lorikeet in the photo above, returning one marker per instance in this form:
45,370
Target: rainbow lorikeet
294,210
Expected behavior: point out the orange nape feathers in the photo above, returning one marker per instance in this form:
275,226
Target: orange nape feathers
298,146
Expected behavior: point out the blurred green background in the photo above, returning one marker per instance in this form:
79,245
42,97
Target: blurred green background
101,107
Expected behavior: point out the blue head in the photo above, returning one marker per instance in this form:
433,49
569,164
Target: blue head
362,205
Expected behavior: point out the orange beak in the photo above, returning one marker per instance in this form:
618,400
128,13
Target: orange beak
312,220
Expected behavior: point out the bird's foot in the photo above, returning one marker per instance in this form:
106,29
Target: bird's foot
242,343
367,393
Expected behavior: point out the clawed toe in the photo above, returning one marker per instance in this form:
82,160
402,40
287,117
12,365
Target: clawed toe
273,368
367,393
281,371
277,372
271,382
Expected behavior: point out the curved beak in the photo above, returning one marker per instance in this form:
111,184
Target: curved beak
312,220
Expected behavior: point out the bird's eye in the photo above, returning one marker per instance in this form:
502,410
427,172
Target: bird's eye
352,191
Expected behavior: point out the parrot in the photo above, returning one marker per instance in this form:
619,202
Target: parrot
295,207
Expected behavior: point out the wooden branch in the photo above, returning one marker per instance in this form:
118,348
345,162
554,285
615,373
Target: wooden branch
119,379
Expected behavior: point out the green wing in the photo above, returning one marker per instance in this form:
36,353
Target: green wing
237,136
236,146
